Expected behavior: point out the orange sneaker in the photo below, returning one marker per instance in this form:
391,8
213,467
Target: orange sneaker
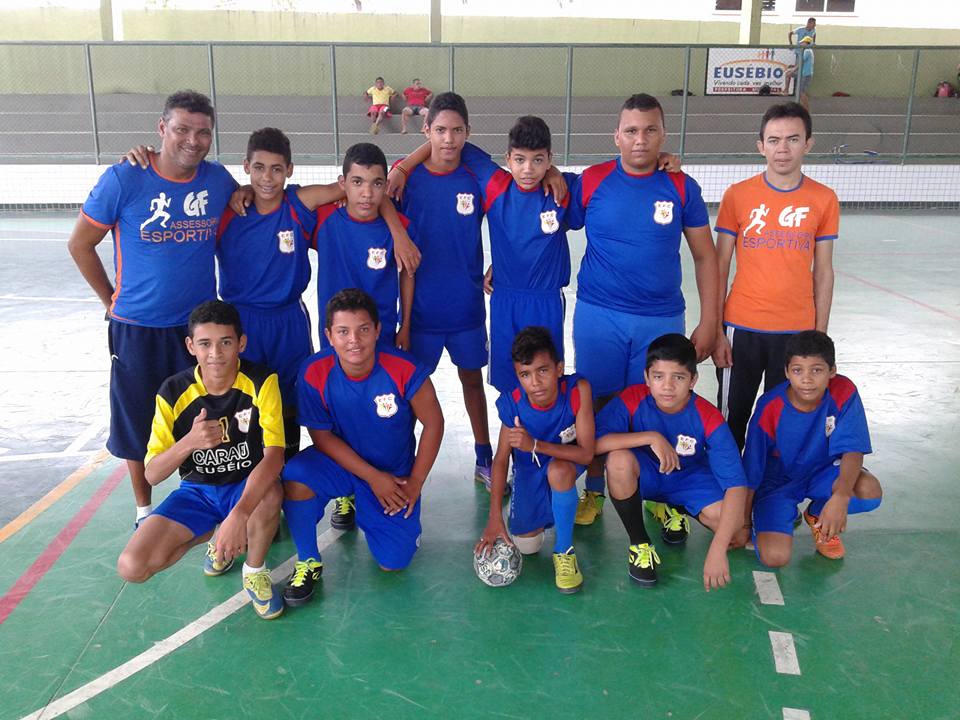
832,548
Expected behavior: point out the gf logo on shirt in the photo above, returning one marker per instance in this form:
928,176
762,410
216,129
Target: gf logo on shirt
465,203
195,205
792,217
386,405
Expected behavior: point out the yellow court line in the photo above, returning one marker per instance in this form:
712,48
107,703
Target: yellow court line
71,481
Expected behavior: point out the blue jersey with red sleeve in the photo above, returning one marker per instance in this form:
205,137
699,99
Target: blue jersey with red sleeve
634,224
354,253
528,230
555,424
263,258
786,445
164,234
697,432
372,414
447,210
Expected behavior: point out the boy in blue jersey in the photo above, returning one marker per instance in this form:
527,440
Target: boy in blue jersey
355,248
629,284
164,223
443,200
262,250
807,439
360,402
669,445
548,430
219,424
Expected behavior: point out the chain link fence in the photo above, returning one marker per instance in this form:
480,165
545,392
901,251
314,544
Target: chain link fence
87,103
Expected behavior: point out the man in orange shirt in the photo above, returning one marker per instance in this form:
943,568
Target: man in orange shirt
782,225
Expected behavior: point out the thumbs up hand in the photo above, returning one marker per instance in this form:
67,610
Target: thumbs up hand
205,434
519,438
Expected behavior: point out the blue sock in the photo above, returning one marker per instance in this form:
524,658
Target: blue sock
596,484
484,454
564,506
302,517
856,505
816,507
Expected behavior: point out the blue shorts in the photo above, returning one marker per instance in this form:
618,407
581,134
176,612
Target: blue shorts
692,492
280,339
611,346
200,507
467,348
392,539
510,312
775,506
531,505
141,359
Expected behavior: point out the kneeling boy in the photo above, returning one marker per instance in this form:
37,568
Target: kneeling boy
668,444
360,402
221,424
548,429
807,439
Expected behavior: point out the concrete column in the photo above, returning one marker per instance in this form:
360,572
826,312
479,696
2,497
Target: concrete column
106,20
750,22
436,22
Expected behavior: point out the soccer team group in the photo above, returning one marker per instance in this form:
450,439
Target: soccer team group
219,389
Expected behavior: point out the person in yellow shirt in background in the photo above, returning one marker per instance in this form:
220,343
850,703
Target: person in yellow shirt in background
379,95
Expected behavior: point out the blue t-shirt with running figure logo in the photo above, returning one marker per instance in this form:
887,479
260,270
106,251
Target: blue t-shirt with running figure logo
634,224
164,234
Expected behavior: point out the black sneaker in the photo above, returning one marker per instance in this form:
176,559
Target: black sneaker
676,526
643,561
344,515
300,586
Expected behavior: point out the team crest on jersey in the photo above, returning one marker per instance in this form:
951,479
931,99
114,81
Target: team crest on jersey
243,419
548,222
285,238
831,425
686,445
663,212
386,405
568,435
465,203
376,258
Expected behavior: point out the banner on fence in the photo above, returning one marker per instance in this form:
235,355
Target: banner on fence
750,71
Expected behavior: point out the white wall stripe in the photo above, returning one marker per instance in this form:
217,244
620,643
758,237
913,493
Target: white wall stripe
784,653
767,587
166,646
795,714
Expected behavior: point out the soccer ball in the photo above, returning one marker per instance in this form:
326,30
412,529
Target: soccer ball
500,565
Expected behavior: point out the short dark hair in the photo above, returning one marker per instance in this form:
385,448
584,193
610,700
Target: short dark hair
673,347
810,343
365,154
447,101
643,101
191,101
270,140
351,300
415,80
529,342
217,312
379,78
787,110
529,133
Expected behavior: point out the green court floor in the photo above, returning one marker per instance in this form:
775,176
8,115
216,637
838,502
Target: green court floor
875,635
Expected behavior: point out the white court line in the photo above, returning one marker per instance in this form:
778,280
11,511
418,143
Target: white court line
166,646
47,298
86,436
784,653
767,587
795,714
45,456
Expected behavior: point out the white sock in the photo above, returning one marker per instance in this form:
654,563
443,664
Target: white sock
247,570
143,511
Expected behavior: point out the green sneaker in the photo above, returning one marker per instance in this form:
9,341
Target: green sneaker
267,604
213,567
589,507
643,561
568,576
676,525
300,586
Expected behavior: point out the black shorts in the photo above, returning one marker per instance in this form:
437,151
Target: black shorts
416,109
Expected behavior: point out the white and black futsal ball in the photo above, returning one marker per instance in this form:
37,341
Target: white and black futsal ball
500,565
